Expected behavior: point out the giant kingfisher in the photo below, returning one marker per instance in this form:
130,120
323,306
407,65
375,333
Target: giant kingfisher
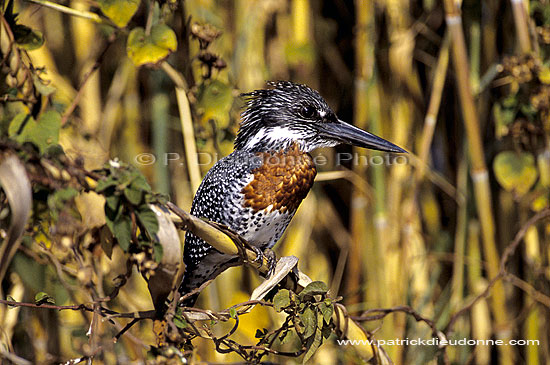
256,190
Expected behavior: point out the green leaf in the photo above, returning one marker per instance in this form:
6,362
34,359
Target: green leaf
58,200
281,300
315,342
140,183
106,240
314,288
233,313
158,252
180,322
134,196
285,337
41,87
65,194
122,230
149,220
42,298
309,321
150,49
326,309
214,102
27,38
119,11
515,171
104,184
44,133
112,203
327,331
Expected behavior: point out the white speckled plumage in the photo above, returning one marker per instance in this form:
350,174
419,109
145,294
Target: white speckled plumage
219,199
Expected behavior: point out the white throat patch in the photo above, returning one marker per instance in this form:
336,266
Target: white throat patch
282,135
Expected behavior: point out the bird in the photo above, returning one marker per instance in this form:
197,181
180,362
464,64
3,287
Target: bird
256,190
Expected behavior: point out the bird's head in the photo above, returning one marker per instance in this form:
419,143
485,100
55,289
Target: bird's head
291,113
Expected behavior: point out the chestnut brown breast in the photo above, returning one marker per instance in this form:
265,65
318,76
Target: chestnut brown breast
283,180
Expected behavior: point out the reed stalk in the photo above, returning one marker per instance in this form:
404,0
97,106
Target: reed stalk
461,233
480,176
80,13
160,118
90,103
430,119
358,215
480,317
531,327
521,22
187,129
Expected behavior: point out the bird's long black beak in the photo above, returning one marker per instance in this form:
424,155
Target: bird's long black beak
349,134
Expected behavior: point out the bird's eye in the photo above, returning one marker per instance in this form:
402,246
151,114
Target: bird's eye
308,111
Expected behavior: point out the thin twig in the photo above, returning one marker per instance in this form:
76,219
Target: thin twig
508,252
383,312
75,307
64,9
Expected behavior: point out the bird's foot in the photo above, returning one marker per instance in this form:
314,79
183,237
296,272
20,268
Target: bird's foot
259,254
270,257
271,261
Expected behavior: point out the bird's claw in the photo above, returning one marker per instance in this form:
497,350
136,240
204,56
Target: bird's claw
270,257
259,254
271,262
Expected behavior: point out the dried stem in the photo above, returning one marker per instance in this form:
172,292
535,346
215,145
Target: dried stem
479,173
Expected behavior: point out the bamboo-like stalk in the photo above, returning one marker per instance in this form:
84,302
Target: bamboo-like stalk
393,212
391,231
543,163
460,237
480,316
186,125
430,120
358,216
475,57
249,47
71,11
300,21
480,176
521,22
457,280
159,117
85,54
531,327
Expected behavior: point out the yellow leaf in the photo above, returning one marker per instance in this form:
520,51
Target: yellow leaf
215,101
544,75
91,208
515,171
144,49
119,11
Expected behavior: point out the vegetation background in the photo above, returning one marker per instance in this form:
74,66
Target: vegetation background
457,233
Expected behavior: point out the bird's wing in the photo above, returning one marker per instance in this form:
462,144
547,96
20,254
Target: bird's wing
219,199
